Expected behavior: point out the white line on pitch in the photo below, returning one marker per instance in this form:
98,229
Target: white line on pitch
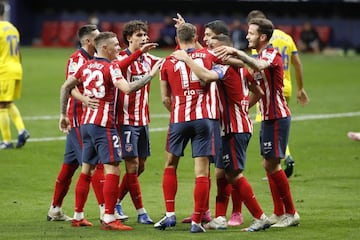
294,118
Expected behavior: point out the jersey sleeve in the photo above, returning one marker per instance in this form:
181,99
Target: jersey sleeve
115,73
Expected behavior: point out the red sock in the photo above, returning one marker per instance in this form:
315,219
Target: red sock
63,182
277,201
97,182
222,196
123,189
283,188
169,188
247,195
110,192
201,193
134,189
82,191
207,205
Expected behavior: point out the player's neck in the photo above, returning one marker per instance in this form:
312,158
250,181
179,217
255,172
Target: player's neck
132,49
261,47
186,46
91,52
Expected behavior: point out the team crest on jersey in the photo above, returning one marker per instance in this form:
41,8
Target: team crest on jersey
73,67
117,72
128,147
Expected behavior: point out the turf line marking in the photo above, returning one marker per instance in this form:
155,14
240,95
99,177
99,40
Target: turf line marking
294,118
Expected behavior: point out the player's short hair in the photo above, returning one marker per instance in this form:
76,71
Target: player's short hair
255,14
102,37
218,27
133,26
186,32
265,26
85,30
224,39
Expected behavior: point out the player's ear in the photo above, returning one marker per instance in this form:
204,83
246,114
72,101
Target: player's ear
263,37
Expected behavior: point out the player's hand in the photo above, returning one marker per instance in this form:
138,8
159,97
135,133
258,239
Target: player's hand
64,124
156,67
302,97
180,55
92,103
148,46
179,20
223,52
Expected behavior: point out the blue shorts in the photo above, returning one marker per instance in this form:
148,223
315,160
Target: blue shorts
200,132
234,151
218,143
100,143
134,141
274,135
73,147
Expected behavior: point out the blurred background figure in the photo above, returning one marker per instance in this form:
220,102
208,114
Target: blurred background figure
167,33
238,35
11,75
354,136
93,19
309,39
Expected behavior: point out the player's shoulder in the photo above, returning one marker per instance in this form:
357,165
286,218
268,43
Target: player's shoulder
8,28
279,35
7,24
80,54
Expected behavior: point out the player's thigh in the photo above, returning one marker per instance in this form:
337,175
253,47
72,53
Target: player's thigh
203,141
107,144
7,90
17,89
234,151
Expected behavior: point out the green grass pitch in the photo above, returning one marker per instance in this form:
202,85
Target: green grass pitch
325,184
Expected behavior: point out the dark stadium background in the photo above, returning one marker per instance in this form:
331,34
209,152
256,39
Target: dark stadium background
342,16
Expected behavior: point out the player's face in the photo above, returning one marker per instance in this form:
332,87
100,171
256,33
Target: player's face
113,48
91,38
208,34
253,36
138,39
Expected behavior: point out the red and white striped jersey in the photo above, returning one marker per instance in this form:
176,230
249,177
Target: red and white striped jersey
214,93
133,108
273,104
190,97
75,107
98,77
234,99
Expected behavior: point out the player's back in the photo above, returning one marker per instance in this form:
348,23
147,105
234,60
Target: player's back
285,44
182,80
97,77
191,98
10,61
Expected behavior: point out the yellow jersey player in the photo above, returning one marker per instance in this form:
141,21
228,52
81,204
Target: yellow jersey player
286,46
10,83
